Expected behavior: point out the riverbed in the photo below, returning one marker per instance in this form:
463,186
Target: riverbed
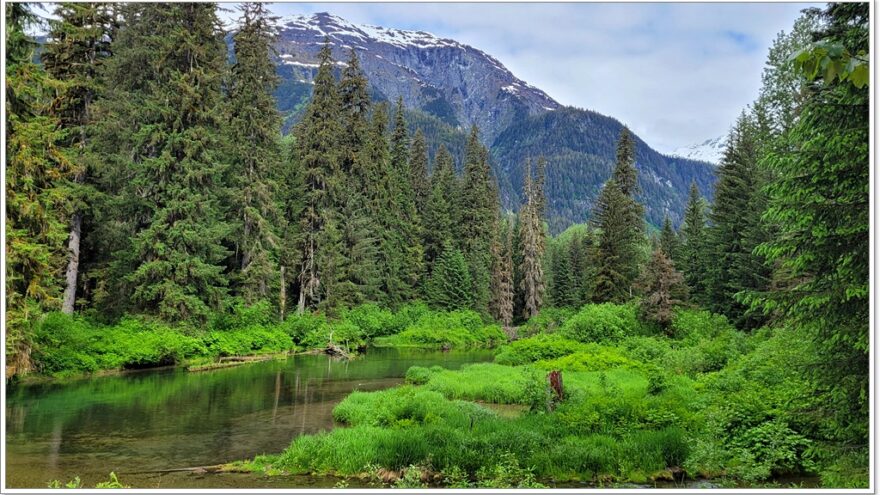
141,424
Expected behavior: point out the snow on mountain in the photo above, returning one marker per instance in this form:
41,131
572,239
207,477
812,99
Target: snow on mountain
453,81
710,150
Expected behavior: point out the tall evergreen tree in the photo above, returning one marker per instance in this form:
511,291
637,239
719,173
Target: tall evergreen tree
736,229
172,157
619,217
37,170
439,220
317,148
78,43
450,286
669,239
421,184
501,302
532,232
819,201
476,222
692,252
253,131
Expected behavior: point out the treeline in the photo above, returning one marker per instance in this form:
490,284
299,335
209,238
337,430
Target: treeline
785,242
147,175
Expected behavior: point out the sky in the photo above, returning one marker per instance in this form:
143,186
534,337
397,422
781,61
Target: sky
676,73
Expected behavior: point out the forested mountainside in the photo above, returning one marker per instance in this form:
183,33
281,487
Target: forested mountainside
447,86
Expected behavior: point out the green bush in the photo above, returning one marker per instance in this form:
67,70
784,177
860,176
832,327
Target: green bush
548,320
535,348
601,323
594,358
462,329
485,382
249,340
418,375
371,320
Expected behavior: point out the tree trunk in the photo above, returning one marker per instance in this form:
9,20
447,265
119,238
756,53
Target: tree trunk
72,263
282,296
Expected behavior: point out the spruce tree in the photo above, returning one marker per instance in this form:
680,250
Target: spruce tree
669,239
475,225
663,289
253,131
420,183
439,220
692,251
167,72
619,217
820,204
450,286
317,149
736,229
501,302
37,170
77,45
532,232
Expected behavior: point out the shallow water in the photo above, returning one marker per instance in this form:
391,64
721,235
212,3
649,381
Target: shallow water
168,419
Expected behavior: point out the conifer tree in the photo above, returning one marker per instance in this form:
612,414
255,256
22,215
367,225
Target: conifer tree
501,302
620,219
532,245
78,43
317,148
476,222
663,288
172,107
37,169
355,107
421,184
561,275
736,229
669,239
253,130
819,202
439,220
450,286
692,250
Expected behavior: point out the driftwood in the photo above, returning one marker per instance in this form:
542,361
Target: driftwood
334,350
216,468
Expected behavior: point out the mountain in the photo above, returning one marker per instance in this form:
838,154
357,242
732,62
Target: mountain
710,150
447,86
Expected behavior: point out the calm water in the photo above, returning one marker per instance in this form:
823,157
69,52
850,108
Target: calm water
138,423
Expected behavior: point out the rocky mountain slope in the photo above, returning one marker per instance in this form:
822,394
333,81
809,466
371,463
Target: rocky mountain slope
447,86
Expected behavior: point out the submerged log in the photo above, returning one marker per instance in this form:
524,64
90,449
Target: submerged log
334,350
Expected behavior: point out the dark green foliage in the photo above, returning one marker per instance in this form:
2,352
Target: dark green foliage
440,214
476,222
166,109
532,242
450,285
669,240
736,229
819,201
571,271
37,171
692,258
253,132
421,184
620,219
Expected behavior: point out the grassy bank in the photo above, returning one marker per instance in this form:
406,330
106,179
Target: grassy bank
698,400
69,346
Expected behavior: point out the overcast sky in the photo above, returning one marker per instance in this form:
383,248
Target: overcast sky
676,73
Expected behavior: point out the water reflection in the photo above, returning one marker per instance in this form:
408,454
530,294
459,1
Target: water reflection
171,418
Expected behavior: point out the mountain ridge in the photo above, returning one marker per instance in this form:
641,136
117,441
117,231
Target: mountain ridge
459,85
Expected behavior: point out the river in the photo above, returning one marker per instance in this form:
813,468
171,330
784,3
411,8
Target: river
140,423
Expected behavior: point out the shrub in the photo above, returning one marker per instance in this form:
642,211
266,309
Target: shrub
372,320
453,329
548,320
601,323
243,341
536,348
485,382
418,375
593,358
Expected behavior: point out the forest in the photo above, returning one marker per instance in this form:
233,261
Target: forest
159,214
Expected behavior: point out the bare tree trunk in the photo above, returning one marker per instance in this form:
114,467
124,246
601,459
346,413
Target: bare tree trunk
72,263
282,296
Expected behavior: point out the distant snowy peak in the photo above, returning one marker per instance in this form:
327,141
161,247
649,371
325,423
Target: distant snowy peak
710,150
335,27
448,79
